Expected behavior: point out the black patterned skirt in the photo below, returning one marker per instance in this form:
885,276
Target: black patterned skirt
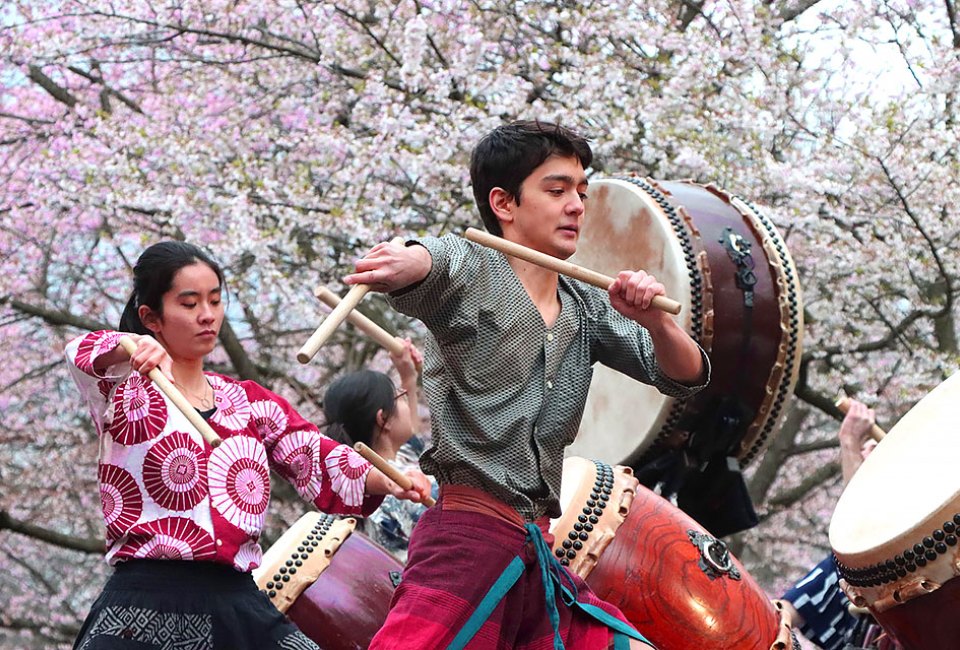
167,605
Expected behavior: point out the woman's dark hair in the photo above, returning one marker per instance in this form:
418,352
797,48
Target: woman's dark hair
153,277
508,154
351,404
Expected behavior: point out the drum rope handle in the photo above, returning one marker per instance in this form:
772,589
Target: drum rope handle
174,395
558,266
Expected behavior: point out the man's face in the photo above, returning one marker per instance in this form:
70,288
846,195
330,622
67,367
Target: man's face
550,213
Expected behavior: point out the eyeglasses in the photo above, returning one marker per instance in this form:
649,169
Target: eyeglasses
399,395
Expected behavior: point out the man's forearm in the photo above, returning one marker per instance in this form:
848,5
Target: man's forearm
678,355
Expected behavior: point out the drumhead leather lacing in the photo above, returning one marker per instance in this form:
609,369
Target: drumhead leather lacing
300,556
924,551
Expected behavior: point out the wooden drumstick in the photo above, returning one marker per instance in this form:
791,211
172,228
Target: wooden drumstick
364,324
560,266
876,432
392,472
175,396
333,320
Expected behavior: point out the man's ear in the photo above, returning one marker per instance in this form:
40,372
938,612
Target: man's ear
149,318
502,203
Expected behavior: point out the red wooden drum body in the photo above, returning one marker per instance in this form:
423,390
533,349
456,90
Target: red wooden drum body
676,583
332,581
896,527
730,270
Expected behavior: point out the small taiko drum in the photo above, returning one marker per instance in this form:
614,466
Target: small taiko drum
896,526
675,582
331,580
730,270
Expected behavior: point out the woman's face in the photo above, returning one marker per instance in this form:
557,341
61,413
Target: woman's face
399,426
192,313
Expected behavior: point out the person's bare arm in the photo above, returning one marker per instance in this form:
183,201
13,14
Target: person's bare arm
407,364
855,441
677,354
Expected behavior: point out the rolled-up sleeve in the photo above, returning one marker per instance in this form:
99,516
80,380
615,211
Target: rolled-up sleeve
626,346
439,298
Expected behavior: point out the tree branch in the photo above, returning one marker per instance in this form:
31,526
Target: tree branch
83,544
55,316
791,9
689,9
778,451
97,79
244,367
819,476
56,91
954,26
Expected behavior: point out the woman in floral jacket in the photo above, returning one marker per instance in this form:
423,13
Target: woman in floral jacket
183,519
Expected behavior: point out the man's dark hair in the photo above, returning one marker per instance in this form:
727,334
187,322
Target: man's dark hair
507,155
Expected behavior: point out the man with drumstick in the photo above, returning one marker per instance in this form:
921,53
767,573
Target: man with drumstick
508,367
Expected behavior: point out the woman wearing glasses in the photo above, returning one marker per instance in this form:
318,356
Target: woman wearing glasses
366,406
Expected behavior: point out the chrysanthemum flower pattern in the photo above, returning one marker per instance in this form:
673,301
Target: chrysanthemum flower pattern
166,494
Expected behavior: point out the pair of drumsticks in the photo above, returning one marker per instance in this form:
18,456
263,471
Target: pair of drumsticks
344,309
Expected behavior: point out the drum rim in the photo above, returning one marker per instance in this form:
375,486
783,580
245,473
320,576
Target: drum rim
300,556
663,409
914,554
593,523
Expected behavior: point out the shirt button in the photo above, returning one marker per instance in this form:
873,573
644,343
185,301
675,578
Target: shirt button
219,542
549,336
549,384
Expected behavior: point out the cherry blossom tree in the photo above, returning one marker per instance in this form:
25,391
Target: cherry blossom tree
289,136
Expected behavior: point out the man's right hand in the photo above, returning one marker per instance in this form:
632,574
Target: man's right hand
391,266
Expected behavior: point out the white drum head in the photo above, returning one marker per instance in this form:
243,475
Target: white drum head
907,487
625,229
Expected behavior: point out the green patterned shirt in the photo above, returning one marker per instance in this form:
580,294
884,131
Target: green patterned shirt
507,393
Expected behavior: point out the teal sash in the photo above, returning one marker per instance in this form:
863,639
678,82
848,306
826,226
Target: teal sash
553,575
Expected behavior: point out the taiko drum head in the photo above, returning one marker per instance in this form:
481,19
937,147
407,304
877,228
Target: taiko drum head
625,229
895,528
728,267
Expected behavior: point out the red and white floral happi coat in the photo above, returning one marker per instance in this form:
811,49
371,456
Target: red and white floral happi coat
166,494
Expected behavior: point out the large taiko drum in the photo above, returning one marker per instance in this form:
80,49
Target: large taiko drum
730,270
675,582
895,528
333,582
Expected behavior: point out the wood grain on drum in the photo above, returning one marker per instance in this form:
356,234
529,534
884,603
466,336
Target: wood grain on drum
674,581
